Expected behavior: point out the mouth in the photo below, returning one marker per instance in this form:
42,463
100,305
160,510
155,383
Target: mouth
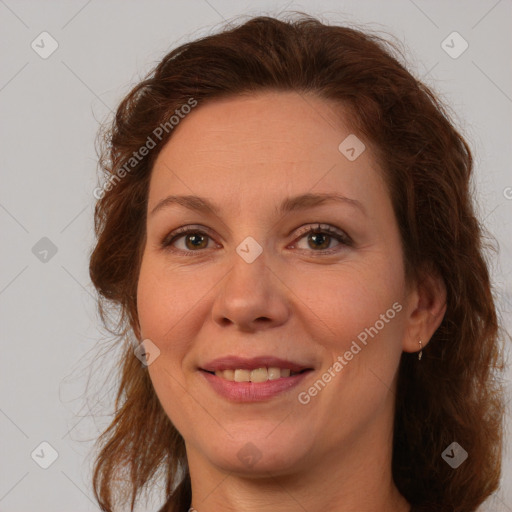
256,369
262,374
261,383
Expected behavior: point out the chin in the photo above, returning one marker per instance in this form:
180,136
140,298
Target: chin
258,455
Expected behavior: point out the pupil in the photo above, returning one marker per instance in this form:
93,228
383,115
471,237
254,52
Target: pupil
195,238
315,237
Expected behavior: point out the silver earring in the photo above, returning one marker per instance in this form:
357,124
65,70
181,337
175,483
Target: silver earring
421,352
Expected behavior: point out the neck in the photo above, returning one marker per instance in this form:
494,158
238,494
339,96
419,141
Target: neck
271,495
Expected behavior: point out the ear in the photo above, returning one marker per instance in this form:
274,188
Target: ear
425,311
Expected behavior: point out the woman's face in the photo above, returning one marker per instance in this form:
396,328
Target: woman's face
250,281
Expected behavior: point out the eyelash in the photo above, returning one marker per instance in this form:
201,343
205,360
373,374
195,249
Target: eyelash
339,235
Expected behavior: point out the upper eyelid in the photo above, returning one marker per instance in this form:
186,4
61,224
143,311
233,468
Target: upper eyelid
184,230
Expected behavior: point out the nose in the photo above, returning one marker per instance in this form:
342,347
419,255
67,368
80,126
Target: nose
251,296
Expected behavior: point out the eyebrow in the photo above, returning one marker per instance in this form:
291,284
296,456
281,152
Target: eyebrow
290,204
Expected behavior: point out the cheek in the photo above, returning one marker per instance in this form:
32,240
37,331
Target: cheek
350,300
166,298
358,324
166,302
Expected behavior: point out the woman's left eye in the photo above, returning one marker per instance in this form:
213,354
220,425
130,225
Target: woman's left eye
319,239
321,236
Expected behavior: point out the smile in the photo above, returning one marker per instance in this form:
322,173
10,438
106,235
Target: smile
256,375
247,390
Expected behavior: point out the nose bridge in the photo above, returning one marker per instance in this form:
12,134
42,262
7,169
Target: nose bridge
250,292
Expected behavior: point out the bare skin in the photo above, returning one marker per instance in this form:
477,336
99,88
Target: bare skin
303,299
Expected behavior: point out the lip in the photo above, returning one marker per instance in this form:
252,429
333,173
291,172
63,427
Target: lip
252,391
242,363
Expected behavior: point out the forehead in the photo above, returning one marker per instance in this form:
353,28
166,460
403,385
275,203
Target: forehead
270,142
266,124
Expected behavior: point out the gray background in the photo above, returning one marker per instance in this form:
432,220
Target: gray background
50,108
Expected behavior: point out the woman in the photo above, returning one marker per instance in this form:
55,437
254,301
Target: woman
288,231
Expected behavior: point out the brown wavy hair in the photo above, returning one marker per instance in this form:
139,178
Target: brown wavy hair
454,393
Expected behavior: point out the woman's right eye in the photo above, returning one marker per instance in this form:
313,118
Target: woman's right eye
193,238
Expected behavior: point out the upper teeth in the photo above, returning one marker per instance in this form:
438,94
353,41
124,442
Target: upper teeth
257,375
